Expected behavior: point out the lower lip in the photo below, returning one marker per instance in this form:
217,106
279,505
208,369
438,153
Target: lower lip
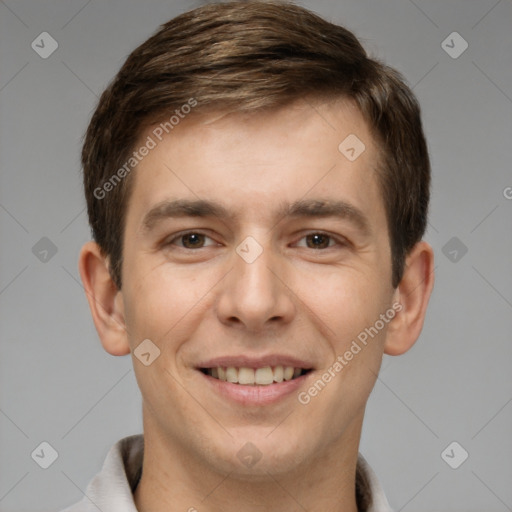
256,395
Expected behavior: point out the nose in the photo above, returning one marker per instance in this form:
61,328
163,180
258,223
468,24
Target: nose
255,294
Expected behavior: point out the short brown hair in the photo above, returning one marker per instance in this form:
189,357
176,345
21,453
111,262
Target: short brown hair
253,56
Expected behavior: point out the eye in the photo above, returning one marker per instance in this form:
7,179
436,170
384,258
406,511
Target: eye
192,240
318,240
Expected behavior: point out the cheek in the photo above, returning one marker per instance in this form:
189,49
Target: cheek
344,302
355,341
163,305
357,336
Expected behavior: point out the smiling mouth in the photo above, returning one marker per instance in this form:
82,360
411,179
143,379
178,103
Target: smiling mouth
255,376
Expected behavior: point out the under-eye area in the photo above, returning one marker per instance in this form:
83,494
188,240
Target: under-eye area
255,376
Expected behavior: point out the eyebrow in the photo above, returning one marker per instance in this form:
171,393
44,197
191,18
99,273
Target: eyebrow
302,208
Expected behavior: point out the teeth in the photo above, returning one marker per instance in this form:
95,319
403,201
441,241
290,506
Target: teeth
231,374
246,376
263,376
288,373
278,374
260,376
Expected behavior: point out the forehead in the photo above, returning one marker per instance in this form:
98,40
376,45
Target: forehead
303,151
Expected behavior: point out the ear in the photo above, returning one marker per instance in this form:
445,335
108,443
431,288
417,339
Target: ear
413,293
105,300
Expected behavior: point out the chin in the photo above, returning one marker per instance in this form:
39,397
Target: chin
256,453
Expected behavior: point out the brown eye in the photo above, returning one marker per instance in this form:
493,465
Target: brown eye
190,240
318,241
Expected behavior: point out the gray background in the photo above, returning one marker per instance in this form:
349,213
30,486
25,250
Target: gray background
58,385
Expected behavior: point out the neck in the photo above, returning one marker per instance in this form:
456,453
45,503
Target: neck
175,480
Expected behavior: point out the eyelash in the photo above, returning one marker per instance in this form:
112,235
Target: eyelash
337,241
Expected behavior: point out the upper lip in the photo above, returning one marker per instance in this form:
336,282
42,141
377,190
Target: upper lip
255,362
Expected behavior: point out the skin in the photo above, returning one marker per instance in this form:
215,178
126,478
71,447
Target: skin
199,303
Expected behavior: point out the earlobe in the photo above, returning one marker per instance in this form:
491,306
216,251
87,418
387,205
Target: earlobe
413,294
105,300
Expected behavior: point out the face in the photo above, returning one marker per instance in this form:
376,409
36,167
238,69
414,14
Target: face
255,256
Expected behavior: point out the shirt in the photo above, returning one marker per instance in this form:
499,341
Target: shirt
111,490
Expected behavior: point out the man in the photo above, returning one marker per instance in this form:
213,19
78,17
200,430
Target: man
257,189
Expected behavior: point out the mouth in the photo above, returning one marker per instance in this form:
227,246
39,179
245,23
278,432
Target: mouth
264,376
